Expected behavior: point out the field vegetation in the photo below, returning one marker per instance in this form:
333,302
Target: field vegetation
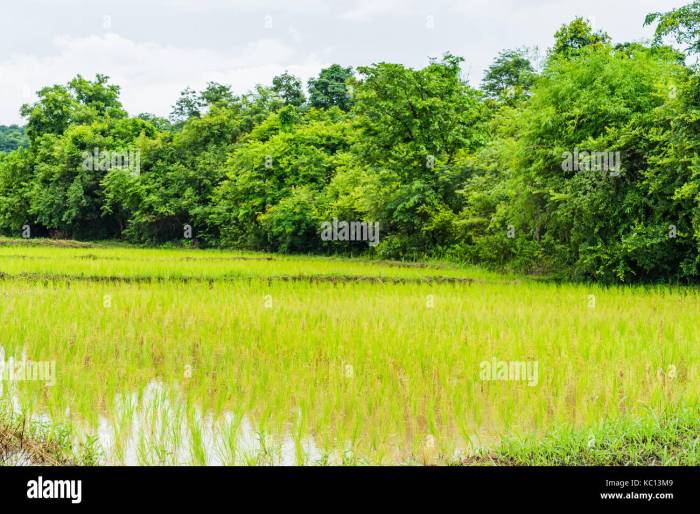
239,364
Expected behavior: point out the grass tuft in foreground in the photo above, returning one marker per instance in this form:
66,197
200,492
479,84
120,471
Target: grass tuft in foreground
670,439
31,442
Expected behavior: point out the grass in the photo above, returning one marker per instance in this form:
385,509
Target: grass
26,441
669,439
241,358
44,261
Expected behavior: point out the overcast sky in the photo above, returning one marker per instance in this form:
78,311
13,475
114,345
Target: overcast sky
155,48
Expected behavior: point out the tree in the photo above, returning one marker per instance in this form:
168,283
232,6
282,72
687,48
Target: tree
683,24
51,114
289,89
80,101
415,124
410,115
217,94
330,88
12,137
587,220
101,97
253,206
292,224
509,176
510,74
571,38
15,181
67,194
187,106
193,105
179,173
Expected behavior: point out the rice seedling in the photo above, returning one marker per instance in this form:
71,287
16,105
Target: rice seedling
221,359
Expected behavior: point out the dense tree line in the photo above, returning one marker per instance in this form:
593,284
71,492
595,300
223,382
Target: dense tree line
584,164
12,137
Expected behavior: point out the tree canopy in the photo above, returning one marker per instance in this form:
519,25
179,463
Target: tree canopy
682,24
586,166
12,137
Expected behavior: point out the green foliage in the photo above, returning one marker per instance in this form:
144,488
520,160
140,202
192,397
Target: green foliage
588,222
447,171
414,126
188,105
292,224
570,39
12,137
683,24
511,74
78,102
269,166
15,181
669,439
331,88
289,89
192,104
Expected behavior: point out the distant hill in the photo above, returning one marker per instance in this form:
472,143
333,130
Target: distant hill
12,137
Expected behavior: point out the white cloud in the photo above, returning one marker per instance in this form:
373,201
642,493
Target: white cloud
162,46
248,5
368,10
150,75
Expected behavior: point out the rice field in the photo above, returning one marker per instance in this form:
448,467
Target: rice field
175,356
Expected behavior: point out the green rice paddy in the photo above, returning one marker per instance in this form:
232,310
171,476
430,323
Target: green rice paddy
172,356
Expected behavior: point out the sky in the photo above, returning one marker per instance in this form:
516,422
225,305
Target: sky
153,49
